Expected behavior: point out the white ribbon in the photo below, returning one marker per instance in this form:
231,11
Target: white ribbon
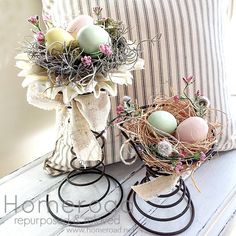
130,162
87,113
158,186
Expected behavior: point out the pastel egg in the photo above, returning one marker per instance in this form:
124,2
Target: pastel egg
91,37
163,121
56,38
193,129
80,21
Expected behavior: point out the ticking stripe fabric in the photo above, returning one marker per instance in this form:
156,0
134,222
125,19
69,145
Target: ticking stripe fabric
191,44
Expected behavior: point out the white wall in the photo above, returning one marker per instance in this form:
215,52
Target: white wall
25,132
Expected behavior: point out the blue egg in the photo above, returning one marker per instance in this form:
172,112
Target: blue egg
91,37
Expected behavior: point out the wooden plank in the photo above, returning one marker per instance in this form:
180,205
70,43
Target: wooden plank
204,210
215,183
215,187
222,215
35,220
26,184
24,168
230,227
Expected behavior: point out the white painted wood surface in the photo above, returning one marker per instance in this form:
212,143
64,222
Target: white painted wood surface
28,186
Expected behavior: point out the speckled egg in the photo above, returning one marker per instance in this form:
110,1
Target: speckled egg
91,37
80,21
193,129
163,121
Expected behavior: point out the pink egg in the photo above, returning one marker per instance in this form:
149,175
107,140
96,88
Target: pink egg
79,22
192,130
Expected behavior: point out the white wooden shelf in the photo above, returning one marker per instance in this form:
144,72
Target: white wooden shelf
215,206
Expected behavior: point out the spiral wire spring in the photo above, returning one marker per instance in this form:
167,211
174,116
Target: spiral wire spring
97,170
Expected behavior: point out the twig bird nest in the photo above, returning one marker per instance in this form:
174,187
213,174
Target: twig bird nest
67,65
167,152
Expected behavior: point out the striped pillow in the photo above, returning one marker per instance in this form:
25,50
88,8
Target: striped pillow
191,44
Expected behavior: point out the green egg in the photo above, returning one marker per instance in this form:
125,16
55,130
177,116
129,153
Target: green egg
163,121
91,37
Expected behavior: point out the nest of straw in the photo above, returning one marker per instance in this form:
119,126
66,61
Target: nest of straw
145,137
